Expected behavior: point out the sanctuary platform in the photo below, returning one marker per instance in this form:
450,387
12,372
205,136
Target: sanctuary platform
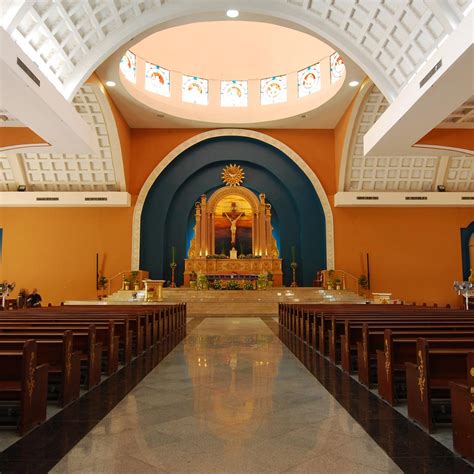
237,302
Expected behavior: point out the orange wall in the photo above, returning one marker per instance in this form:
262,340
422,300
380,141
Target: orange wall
415,253
12,137
55,249
150,146
456,138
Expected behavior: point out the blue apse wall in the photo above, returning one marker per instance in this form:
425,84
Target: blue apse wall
167,216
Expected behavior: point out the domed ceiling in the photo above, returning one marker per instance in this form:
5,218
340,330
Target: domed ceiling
231,73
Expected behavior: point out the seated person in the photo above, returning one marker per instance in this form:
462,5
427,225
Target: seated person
34,299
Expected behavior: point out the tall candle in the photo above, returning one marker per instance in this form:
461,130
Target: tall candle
293,253
172,254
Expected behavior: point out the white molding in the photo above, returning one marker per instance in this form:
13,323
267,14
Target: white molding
64,199
399,199
137,212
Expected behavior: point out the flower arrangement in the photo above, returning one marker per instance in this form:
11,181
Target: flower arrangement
233,285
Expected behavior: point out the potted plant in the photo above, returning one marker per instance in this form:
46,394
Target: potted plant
338,283
102,283
217,285
363,283
262,281
233,285
201,282
269,279
330,284
248,285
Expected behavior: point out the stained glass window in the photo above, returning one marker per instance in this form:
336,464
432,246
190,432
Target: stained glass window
273,90
128,66
195,90
337,67
157,79
234,93
309,80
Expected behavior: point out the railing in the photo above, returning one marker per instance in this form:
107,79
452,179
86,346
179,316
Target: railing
346,280
131,280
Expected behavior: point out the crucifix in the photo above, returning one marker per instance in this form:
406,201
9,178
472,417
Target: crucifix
233,216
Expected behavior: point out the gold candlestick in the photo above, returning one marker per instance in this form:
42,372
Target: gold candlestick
294,266
173,269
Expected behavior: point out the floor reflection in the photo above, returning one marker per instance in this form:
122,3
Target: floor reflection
230,398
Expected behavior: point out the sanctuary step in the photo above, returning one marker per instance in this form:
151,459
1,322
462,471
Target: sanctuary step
241,302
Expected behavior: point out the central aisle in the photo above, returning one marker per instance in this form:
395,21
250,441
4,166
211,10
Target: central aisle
230,398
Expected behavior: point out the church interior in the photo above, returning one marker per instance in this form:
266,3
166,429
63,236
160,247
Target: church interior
236,236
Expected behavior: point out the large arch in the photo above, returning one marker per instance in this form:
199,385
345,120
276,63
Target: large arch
78,50
287,151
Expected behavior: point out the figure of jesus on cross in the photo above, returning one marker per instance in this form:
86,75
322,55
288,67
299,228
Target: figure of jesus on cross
233,216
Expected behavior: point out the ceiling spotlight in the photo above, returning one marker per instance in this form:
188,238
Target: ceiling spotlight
21,188
232,13
353,83
441,188
110,83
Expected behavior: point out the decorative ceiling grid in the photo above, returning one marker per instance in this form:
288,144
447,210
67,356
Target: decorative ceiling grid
7,178
462,115
399,173
392,39
71,172
460,174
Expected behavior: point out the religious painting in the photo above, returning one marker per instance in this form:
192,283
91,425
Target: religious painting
128,66
157,80
233,219
273,90
309,80
195,90
337,67
234,93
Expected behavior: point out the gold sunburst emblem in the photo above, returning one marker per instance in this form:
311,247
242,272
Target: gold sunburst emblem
233,175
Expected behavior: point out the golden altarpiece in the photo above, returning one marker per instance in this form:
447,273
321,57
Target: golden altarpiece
235,213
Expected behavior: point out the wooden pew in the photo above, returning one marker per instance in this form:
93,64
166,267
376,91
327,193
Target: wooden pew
63,363
400,347
429,379
373,340
24,384
462,402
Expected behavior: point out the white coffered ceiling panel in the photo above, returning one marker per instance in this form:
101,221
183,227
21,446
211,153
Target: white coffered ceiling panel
74,172
421,173
462,117
7,177
391,40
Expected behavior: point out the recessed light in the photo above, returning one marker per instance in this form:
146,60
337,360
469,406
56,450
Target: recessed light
232,13
110,83
353,83
303,116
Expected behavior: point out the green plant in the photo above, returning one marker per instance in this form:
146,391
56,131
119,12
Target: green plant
193,276
202,282
262,281
103,281
270,276
233,285
217,285
248,285
363,282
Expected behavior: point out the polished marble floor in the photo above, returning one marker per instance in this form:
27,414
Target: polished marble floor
230,398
